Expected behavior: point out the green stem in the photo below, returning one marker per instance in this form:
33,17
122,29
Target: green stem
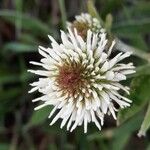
63,13
18,21
146,123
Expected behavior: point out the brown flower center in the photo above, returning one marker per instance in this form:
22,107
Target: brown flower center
81,27
70,78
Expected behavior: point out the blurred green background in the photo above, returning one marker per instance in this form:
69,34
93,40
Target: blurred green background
25,24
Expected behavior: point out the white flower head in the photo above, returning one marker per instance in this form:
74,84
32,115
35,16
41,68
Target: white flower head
81,80
84,22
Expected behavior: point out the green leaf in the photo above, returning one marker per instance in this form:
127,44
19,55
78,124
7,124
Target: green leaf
109,133
148,147
123,133
142,70
28,23
18,4
140,89
8,95
4,146
139,95
7,78
20,47
138,41
146,123
135,39
28,38
130,27
25,76
140,9
8,99
52,146
39,116
120,142
125,129
109,6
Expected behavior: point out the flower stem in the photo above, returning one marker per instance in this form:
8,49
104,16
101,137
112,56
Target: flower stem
63,13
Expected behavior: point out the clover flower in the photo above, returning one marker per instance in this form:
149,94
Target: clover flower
83,23
81,79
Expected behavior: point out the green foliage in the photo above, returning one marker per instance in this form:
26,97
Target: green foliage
20,47
22,28
39,116
4,146
35,26
139,94
118,136
134,26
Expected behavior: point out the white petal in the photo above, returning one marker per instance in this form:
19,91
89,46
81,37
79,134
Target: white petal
110,75
110,48
105,67
119,77
112,111
40,106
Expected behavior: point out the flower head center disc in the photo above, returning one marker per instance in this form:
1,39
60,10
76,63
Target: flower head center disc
70,78
81,27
